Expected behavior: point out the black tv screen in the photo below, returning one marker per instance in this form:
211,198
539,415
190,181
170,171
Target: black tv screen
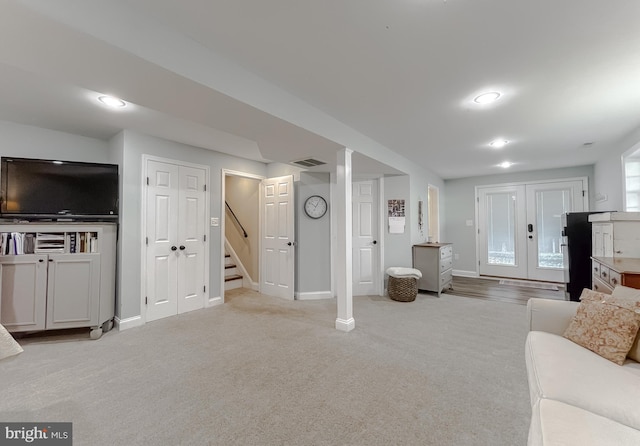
36,188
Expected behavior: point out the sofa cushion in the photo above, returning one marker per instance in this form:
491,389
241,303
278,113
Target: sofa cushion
624,292
605,324
562,370
557,423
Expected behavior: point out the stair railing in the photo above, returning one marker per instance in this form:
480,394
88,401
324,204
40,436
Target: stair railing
235,218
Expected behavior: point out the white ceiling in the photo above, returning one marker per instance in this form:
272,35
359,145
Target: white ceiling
401,72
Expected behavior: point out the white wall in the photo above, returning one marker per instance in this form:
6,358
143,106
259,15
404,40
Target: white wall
34,142
608,174
313,237
460,199
134,146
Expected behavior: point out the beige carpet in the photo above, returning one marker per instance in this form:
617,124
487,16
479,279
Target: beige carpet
263,371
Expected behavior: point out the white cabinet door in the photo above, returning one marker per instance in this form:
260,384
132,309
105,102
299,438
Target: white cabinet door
23,287
278,251
73,290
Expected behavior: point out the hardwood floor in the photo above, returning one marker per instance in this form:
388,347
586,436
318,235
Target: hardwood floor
491,289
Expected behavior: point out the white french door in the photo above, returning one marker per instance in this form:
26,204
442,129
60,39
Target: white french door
277,244
365,234
176,256
520,228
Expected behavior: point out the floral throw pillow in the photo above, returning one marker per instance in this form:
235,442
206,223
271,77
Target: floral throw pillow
605,325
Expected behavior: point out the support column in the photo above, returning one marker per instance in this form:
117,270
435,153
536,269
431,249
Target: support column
344,261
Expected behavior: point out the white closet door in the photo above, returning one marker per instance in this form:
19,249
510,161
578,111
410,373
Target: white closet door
191,249
162,232
278,251
365,234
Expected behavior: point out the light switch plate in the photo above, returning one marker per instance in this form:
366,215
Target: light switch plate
215,221
469,222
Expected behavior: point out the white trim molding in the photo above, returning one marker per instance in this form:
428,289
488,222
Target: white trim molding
345,325
130,322
314,295
463,273
213,301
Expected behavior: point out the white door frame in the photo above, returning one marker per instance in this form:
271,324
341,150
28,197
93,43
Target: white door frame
585,183
143,226
236,173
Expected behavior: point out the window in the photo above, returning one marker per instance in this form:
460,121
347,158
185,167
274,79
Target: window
631,163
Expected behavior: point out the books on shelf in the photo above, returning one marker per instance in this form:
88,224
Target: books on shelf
17,243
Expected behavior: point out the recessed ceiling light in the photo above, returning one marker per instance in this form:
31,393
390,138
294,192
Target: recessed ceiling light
112,101
486,98
498,143
505,165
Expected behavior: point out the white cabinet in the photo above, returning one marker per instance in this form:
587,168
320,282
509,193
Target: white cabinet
615,234
69,283
435,262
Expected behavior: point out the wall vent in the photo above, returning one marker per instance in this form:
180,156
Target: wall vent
308,162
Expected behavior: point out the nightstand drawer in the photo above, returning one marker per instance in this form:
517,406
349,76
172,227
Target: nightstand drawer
604,273
600,286
446,264
445,277
446,251
595,268
614,278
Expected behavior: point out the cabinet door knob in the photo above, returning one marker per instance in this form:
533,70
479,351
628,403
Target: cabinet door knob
40,260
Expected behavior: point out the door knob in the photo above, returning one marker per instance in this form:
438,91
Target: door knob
289,244
173,248
375,242
182,248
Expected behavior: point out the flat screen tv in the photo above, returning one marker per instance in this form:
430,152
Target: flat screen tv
50,189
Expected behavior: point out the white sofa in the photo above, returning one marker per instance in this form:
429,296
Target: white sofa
577,397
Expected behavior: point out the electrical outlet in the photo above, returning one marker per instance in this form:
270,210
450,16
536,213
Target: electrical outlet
215,221
456,256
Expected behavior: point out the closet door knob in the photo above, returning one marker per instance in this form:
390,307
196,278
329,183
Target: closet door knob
182,248
173,248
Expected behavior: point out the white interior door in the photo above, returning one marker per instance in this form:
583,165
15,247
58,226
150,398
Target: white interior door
501,231
191,251
161,232
365,235
176,253
277,244
520,229
546,202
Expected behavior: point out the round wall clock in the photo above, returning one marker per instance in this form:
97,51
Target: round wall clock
315,206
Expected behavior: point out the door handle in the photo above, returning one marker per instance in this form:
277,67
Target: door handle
291,243
173,248
530,227
182,248
375,242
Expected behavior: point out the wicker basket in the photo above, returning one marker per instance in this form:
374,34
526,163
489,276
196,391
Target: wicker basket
403,289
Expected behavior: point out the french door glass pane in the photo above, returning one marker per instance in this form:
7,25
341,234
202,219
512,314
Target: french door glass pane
501,240
550,204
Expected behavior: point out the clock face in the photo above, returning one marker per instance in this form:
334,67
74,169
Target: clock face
315,206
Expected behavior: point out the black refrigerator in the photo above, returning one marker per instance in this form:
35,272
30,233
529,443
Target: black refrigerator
576,252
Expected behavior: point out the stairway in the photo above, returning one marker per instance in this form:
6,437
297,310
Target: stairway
232,279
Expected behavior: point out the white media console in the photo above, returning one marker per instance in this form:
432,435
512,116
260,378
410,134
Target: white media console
56,275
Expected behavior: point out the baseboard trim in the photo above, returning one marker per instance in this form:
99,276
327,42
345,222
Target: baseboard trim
255,286
213,301
463,273
130,322
314,295
345,325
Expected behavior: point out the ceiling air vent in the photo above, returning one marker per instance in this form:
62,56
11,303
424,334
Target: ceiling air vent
309,162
